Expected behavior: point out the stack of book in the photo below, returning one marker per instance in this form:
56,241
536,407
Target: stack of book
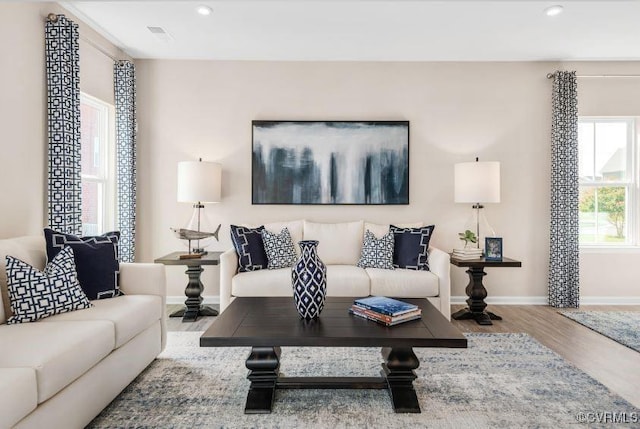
386,311
467,253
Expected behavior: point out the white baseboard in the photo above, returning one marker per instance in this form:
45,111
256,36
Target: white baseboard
506,300
543,300
208,300
610,300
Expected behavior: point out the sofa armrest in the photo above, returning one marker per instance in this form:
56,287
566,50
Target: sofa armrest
228,269
146,279
439,265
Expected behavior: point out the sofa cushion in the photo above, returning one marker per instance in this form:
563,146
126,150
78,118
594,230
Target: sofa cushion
347,280
342,280
130,314
60,352
339,243
96,260
279,249
36,294
402,283
18,394
249,247
411,247
295,230
263,283
29,249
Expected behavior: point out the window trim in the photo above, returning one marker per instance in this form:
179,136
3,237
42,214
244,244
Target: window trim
107,217
632,184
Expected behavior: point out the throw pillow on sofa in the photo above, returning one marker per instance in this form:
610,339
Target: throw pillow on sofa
249,247
411,247
279,249
96,260
377,252
36,294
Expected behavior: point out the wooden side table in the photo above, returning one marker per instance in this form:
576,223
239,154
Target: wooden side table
475,289
193,305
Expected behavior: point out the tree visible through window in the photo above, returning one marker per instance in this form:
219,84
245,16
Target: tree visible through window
607,180
98,190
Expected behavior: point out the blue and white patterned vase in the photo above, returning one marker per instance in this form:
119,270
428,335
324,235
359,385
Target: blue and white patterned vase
309,280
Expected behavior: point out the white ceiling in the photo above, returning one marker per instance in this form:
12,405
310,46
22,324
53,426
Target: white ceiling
378,30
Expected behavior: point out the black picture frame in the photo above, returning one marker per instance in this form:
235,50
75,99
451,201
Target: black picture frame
330,162
493,248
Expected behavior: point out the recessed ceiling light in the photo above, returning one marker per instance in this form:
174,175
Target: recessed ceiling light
204,10
554,10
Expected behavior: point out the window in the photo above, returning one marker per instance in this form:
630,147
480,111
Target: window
97,172
608,181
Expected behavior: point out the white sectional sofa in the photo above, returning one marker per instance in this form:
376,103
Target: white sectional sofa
61,371
340,245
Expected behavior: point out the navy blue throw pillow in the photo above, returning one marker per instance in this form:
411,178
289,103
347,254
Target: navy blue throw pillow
249,247
411,246
96,260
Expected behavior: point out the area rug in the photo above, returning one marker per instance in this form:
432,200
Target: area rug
500,381
621,326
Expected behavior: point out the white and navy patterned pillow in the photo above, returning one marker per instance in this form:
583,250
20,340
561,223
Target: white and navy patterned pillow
249,247
377,252
279,248
411,247
36,294
96,259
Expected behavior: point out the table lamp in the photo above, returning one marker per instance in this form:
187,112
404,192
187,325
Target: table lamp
478,182
199,182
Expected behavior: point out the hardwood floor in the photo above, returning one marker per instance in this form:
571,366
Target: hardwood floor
614,365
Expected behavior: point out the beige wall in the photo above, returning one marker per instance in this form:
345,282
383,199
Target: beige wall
23,109
497,111
188,109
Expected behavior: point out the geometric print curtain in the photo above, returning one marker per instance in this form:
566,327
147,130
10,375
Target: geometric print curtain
63,121
564,268
124,77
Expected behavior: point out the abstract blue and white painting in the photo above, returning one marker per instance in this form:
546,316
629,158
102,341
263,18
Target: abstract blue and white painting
313,162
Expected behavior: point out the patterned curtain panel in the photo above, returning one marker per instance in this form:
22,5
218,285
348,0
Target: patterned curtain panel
124,75
564,272
63,113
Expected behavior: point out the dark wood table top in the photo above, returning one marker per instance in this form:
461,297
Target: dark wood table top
211,258
483,263
274,321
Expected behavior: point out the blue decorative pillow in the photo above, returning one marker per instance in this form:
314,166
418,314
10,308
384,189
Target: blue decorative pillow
36,294
96,260
377,252
249,247
411,246
279,249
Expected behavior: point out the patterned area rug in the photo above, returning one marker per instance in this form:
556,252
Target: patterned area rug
621,326
500,381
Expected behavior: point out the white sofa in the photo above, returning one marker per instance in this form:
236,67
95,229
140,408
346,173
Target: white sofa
339,247
61,371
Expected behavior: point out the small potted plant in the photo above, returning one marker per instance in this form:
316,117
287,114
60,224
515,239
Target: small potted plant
468,237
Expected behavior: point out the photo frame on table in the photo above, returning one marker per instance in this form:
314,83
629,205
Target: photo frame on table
493,248
330,162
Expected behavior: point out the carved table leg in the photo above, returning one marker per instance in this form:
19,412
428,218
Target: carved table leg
477,293
193,305
263,364
399,372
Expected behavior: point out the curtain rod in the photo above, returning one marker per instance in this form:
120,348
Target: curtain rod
54,18
550,75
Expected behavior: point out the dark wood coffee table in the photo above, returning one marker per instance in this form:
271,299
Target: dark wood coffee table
267,324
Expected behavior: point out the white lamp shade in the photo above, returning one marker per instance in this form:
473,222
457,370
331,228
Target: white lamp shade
199,181
477,182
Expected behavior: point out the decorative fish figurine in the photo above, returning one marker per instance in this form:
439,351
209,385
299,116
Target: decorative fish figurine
190,234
